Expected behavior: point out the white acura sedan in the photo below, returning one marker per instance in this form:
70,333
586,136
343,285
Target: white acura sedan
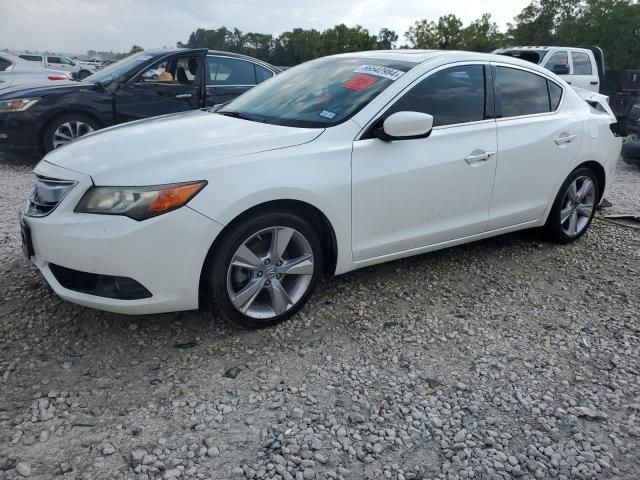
336,164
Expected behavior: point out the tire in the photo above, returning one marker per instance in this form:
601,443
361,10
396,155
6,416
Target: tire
79,125
154,77
82,74
573,210
631,151
262,283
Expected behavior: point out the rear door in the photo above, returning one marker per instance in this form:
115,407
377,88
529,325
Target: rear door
583,73
229,77
537,140
176,86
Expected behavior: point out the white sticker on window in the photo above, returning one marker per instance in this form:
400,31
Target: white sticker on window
385,72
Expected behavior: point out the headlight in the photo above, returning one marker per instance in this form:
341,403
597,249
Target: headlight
138,203
17,105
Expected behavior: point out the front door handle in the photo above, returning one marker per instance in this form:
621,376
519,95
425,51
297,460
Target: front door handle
478,158
184,95
565,139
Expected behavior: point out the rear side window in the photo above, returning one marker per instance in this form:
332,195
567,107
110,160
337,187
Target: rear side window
230,71
31,58
558,58
581,64
521,92
451,96
54,60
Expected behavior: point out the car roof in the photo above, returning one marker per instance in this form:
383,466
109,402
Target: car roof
444,56
210,52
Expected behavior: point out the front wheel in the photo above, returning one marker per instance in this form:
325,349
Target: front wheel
574,206
264,270
66,128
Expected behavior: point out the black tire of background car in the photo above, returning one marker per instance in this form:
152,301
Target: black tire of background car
631,151
218,260
553,227
82,74
46,139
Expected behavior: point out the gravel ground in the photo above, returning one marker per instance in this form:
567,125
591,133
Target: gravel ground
507,358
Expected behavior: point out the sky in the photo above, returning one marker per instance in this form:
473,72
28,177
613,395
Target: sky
75,26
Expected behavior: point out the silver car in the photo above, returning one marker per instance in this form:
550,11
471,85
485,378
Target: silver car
15,71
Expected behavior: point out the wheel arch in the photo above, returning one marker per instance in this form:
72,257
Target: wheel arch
305,210
601,175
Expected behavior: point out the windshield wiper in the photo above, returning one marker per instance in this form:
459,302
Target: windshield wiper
244,116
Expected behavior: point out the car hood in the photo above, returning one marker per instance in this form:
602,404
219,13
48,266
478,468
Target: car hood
172,148
43,89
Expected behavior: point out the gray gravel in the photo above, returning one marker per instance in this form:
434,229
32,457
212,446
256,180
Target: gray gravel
508,358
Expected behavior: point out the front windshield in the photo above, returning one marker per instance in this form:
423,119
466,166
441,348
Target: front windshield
318,94
118,69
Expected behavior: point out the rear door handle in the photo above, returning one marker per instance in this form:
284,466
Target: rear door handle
184,95
478,158
594,83
565,139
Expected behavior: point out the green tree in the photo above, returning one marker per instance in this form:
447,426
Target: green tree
447,34
135,49
386,39
482,35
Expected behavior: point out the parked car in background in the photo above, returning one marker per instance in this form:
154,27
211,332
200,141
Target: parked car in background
578,67
79,70
188,79
333,165
16,72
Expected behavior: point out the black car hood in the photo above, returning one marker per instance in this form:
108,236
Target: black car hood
42,90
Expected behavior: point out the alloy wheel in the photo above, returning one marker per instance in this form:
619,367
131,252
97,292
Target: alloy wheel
270,272
69,131
577,206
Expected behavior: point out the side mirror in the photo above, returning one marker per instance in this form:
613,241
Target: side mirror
405,126
560,69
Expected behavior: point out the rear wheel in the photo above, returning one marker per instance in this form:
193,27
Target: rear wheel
574,206
66,128
264,270
82,74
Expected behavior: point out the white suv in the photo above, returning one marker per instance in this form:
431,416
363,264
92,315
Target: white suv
79,69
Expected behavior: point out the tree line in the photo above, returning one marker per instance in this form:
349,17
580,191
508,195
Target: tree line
613,25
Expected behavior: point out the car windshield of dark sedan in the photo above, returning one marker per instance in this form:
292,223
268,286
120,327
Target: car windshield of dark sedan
118,69
318,94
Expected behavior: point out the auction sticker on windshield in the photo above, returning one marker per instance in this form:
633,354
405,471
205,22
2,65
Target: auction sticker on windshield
378,71
359,83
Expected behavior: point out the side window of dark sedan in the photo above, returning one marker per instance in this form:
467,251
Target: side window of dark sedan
454,95
227,71
525,93
4,64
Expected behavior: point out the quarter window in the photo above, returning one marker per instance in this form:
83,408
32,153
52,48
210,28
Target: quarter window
262,74
555,95
230,71
451,96
581,64
4,64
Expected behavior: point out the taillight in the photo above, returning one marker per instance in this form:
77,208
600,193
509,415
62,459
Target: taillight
57,78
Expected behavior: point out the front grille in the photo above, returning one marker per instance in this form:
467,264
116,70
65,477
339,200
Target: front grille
46,195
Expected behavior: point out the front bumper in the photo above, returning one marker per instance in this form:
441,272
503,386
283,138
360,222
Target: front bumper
19,129
164,254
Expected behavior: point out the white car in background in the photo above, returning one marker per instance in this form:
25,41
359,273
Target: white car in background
333,165
15,71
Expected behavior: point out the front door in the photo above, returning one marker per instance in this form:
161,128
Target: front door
171,86
410,194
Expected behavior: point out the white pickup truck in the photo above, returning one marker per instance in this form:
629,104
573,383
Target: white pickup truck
80,70
580,67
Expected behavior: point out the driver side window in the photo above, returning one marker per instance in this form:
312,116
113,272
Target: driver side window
452,96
